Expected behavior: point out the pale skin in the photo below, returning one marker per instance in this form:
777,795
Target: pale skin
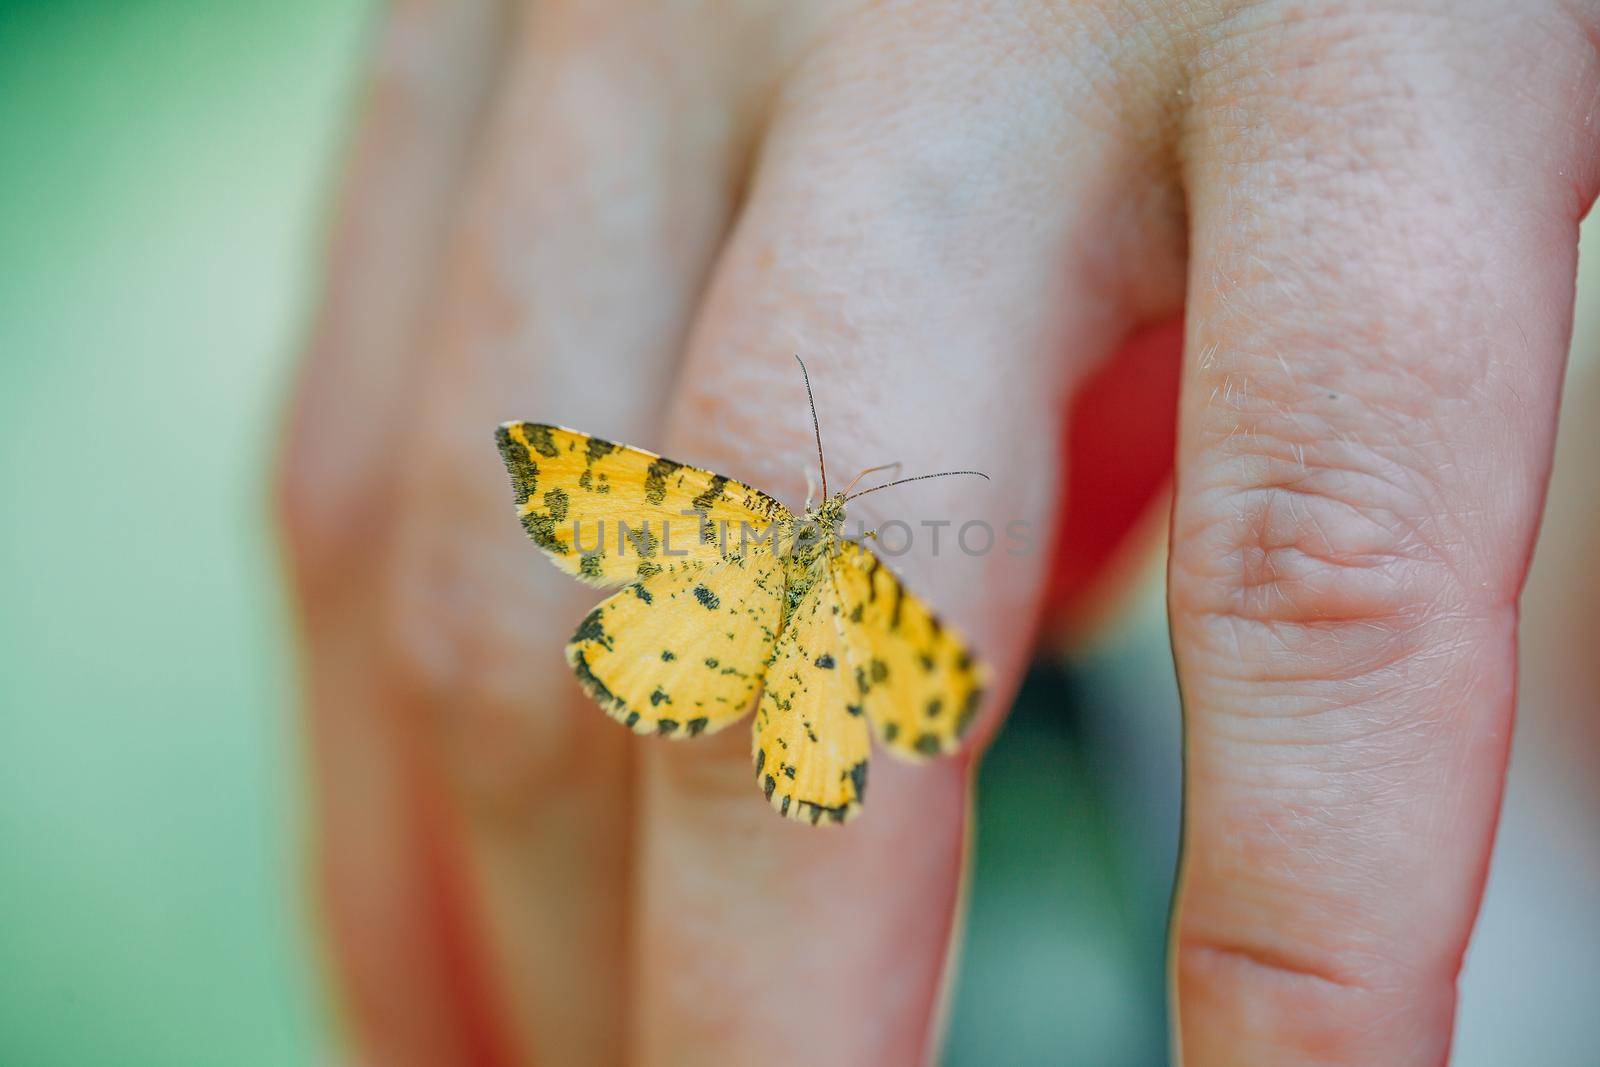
627,217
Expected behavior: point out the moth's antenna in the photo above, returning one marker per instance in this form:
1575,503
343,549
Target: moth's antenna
918,478
870,470
815,427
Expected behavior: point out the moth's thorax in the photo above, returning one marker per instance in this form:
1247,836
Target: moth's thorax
809,543
813,533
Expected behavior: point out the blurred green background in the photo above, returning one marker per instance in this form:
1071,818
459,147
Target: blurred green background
163,172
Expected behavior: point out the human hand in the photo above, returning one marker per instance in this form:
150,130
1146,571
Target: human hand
627,217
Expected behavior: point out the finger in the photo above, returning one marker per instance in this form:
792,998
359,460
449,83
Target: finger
385,914
610,168
1383,256
917,235
431,69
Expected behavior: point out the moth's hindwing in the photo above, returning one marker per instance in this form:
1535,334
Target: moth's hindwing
681,653
611,514
811,739
920,684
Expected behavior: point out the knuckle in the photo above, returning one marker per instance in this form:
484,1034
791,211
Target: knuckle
312,515
328,484
463,631
1302,543
474,643
1345,592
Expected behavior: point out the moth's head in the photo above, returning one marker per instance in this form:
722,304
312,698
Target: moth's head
829,514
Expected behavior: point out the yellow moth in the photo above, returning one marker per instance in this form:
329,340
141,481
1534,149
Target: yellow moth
727,593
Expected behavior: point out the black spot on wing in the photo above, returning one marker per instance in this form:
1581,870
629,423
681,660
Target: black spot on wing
555,502
542,531
541,440
644,594
667,727
814,812
594,686
592,629
521,466
589,565
655,479
858,778
696,725
713,493
599,448
928,745
659,696
825,661
707,598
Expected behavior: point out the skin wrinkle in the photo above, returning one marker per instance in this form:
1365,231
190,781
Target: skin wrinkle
1332,934
1237,579
1351,747
1334,660
1276,856
1311,820
1329,725
1197,953
1346,515
1380,486
1315,666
